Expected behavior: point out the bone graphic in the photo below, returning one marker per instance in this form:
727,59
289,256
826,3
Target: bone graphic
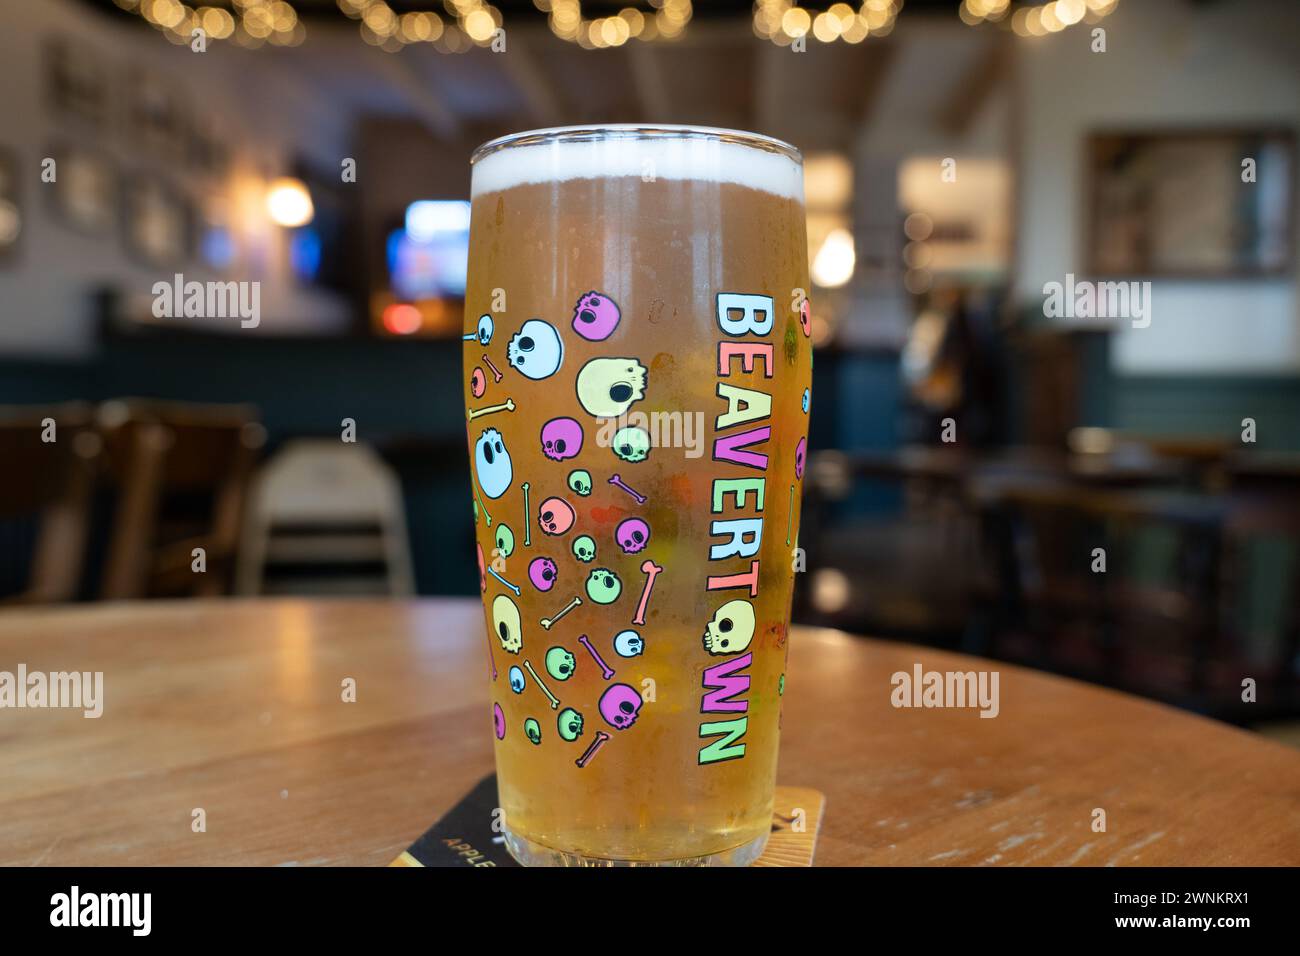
484,507
503,581
605,669
651,570
496,374
548,621
596,744
472,413
470,337
528,528
616,480
789,518
555,701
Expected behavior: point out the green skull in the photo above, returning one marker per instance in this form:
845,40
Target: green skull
505,541
569,724
603,586
533,730
580,481
560,663
584,548
631,443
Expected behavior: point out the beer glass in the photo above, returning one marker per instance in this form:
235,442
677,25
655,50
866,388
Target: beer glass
637,374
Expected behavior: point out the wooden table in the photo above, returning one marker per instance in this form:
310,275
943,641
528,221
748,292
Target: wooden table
235,707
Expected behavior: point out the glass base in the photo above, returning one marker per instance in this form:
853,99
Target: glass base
528,853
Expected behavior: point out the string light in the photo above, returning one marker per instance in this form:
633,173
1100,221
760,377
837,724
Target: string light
667,21
784,21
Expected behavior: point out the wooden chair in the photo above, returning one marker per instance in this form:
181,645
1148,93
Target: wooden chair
181,472
51,482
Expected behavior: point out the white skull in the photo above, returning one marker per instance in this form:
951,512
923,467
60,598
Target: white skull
505,622
607,386
536,350
731,629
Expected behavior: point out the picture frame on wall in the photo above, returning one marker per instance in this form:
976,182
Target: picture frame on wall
77,81
11,214
83,192
158,221
1191,203
155,114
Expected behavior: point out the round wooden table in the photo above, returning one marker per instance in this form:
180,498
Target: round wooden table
236,707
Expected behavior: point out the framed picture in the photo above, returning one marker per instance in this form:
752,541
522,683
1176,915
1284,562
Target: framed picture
11,217
84,189
159,222
77,80
1196,204
155,114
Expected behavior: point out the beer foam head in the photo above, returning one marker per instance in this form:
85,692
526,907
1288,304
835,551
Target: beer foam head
664,152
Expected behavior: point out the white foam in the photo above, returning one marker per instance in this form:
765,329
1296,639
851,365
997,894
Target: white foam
665,156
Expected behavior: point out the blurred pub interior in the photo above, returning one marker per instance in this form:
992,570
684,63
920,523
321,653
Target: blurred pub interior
971,446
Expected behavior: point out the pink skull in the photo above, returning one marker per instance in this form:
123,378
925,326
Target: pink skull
805,317
632,534
542,572
619,705
555,516
800,450
595,317
477,383
561,439
499,721
482,569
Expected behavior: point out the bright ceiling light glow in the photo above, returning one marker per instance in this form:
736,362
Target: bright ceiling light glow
289,203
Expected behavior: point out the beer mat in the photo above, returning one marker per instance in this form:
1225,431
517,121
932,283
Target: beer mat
464,836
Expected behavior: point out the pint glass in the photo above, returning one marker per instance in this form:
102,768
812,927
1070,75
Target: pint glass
637,374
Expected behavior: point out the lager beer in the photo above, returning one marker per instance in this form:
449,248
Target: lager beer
637,374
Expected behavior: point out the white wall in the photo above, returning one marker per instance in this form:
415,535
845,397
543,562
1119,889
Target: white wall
45,308
1167,63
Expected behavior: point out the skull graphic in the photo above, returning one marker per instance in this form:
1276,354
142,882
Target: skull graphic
533,730
560,664
628,644
631,443
619,706
542,572
555,516
536,351
482,569
584,548
731,629
505,541
608,386
492,463
477,383
517,679
800,452
595,317
603,586
485,329
561,439
806,402
569,724
805,317
580,481
499,721
632,535
505,622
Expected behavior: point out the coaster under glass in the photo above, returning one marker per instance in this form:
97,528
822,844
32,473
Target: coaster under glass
530,853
